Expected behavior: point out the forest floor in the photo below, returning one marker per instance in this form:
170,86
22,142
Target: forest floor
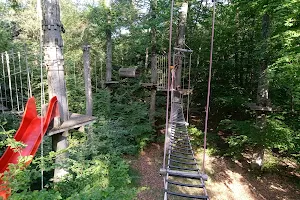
228,180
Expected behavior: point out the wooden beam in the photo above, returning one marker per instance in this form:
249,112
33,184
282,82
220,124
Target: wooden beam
111,82
185,91
149,85
75,121
183,50
128,72
183,174
255,107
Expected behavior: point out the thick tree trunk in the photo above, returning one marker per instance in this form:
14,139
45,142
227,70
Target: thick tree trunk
262,95
54,61
153,63
181,40
87,80
108,44
108,55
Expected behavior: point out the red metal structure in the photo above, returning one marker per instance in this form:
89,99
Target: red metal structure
30,132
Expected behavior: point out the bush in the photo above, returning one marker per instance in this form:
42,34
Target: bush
245,134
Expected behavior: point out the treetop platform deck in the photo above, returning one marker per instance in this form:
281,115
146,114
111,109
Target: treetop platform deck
111,82
75,121
255,107
149,85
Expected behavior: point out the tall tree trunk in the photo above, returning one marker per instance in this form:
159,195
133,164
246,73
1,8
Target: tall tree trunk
54,61
262,94
146,60
108,43
181,40
87,80
153,62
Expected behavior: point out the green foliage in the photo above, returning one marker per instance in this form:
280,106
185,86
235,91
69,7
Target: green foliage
244,134
270,162
124,125
8,124
98,177
37,195
9,121
96,169
101,176
196,136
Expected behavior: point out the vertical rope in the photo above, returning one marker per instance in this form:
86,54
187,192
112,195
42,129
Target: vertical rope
166,71
183,76
168,95
209,84
157,60
21,81
183,79
101,75
9,80
2,105
168,90
28,74
96,75
15,78
4,78
161,69
188,92
40,18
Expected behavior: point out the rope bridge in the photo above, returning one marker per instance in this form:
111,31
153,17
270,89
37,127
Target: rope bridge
180,167
182,170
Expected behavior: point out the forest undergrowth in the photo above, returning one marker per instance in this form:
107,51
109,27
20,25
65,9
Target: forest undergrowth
96,168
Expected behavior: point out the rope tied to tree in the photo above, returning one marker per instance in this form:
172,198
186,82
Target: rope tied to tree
209,86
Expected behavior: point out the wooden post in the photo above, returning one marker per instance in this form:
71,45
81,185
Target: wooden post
87,80
153,6
181,40
54,63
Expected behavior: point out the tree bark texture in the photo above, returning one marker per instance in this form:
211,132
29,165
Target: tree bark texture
262,94
108,44
54,62
153,62
87,80
181,41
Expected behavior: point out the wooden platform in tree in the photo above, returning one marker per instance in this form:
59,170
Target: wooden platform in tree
255,107
75,121
162,89
185,91
149,85
130,72
181,91
111,82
